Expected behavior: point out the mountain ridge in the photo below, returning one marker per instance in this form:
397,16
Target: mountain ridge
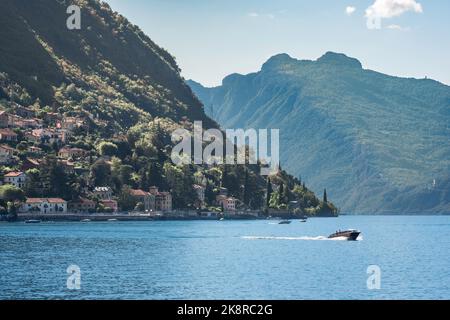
386,135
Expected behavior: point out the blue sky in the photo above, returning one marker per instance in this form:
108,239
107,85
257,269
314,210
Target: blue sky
213,38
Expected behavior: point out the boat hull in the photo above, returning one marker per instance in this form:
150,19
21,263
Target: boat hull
349,235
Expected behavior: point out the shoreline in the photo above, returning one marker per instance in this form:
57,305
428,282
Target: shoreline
78,217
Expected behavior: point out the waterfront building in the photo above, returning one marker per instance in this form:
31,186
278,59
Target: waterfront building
163,200
82,205
146,198
44,206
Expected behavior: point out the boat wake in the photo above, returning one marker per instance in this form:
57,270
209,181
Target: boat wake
305,238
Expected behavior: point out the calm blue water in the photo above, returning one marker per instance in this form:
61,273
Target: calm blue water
227,260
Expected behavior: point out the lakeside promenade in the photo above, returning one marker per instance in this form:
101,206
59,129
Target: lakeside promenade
137,216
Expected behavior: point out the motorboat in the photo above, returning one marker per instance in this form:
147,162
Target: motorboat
351,234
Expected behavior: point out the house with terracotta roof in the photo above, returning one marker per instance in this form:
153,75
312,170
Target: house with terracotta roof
71,123
67,153
44,206
16,178
8,135
110,204
227,203
163,200
47,136
29,163
82,205
144,197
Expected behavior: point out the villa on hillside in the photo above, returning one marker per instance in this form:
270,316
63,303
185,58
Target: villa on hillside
146,198
103,193
67,152
8,135
16,178
228,203
163,200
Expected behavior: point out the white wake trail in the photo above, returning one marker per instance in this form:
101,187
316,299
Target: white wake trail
304,238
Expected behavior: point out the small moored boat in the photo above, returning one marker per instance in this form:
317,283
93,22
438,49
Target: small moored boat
32,221
86,220
351,234
112,220
285,222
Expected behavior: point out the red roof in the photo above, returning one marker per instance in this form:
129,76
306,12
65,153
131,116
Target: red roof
14,174
138,193
7,148
49,200
7,132
84,201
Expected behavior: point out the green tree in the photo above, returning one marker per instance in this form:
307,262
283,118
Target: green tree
10,193
106,148
325,198
125,200
54,179
33,186
269,191
210,196
280,193
101,173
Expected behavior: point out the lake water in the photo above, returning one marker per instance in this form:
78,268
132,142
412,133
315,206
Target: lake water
227,259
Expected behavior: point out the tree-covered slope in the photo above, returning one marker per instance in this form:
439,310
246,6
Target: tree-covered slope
378,143
115,72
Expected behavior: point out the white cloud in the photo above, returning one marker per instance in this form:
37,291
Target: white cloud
270,16
397,27
350,10
392,8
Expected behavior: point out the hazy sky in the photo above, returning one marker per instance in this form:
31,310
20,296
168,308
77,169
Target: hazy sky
211,39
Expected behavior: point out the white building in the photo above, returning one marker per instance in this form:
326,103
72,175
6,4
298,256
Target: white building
44,206
104,193
16,178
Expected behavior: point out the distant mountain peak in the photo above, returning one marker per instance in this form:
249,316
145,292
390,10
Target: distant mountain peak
339,59
278,60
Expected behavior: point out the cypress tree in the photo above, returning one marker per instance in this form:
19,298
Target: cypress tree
269,191
325,199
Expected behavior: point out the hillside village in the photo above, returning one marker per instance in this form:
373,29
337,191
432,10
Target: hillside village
25,140
34,143
86,121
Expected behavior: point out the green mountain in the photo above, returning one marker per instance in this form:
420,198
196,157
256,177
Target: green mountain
378,143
